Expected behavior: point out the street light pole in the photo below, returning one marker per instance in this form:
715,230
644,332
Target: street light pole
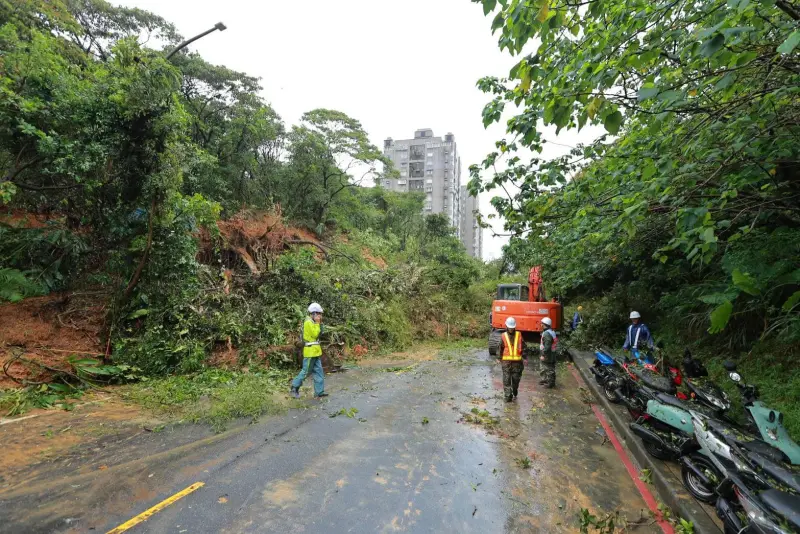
218,26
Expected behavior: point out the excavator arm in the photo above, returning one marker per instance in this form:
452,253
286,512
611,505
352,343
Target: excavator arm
536,285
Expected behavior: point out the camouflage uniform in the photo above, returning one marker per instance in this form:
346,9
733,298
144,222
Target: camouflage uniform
511,363
547,367
512,373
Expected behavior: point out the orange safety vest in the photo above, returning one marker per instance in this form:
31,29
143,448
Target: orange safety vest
512,353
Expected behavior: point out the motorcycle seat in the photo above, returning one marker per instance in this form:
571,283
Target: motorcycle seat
750,444
671,401
784,504
656,381
783,475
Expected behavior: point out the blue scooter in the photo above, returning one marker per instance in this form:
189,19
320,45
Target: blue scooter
608,371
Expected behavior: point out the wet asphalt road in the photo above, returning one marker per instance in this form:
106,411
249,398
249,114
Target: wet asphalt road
382,470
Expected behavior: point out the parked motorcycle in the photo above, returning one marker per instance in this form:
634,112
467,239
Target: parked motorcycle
667,430
758,496
606,370
628,385
704,470
665,425
764,420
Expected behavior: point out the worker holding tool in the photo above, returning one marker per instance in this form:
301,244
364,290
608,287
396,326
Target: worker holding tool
511,359
312,353
549,349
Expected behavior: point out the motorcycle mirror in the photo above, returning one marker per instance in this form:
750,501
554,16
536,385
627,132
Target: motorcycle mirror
729,366
735,377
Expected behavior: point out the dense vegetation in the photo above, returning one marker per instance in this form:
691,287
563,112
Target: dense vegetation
136,161
687,210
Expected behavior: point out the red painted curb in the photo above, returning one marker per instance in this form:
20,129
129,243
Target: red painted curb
666,527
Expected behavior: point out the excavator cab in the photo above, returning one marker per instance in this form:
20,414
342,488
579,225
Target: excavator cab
528,304
512,292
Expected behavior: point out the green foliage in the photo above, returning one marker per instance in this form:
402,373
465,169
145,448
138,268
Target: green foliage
15,286
694,190
133,158
214,396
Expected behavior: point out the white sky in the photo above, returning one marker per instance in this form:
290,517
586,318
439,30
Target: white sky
395,66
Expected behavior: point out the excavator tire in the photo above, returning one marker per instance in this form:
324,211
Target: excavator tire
494,342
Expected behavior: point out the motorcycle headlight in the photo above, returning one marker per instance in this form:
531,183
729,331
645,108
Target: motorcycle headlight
716,402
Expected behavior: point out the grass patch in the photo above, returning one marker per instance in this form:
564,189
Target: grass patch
214,396
481,417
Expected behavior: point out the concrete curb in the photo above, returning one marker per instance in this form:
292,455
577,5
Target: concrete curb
669,490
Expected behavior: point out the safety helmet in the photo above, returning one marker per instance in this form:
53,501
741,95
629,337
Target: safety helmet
547,321
315,308
511,322
635,315
580,308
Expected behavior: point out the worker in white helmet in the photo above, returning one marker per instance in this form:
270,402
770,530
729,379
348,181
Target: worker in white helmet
312,353
548,347
511,359
638,334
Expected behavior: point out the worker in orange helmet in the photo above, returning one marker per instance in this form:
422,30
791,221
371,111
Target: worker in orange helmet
511,359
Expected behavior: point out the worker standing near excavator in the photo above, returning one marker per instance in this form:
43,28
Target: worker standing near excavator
511,359
548,348
312,353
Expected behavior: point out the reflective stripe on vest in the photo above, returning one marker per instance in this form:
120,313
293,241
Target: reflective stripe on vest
554,346
512,354
635,343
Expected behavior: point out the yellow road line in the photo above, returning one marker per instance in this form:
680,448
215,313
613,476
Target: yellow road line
144,516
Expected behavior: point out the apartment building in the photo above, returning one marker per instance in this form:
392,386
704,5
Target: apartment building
431,165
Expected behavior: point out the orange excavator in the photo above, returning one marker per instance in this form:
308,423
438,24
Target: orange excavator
528,305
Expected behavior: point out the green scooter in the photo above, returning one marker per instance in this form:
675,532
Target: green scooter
666,426
768,422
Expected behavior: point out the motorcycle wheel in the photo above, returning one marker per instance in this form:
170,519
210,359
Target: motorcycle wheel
656,451
610,391
700,491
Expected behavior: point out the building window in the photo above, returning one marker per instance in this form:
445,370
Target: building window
429,172
401,182
387,183
417,152
404,173
416,169
430,154
429,181
415,185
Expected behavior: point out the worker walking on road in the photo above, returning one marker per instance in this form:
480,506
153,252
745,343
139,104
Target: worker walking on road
312,353
549,349
511,359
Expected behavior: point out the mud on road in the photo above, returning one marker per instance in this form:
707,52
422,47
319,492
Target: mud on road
420,446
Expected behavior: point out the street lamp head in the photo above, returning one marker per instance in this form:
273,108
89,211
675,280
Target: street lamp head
220,26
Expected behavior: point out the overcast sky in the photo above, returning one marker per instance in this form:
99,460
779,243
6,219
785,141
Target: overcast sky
395,66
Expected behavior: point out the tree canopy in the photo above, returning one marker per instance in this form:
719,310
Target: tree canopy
695,183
